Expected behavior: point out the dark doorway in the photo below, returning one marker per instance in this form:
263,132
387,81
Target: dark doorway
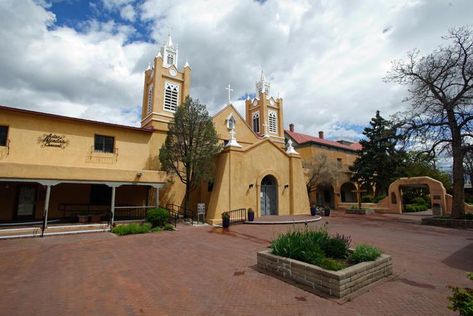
269,196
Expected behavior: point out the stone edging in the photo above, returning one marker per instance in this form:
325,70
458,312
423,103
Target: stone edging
318,280
359,212
447,222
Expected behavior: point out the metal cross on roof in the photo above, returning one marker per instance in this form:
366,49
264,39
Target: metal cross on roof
229,93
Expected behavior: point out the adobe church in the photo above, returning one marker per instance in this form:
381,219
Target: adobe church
51,165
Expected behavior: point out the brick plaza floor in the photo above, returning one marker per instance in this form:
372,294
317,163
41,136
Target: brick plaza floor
205,271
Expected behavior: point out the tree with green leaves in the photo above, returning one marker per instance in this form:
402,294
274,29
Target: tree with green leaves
418,164
378,161
190,147
440,93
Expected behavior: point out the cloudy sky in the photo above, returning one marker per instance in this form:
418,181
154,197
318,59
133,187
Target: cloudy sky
325,58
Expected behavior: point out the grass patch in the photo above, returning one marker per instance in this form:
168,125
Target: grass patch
319,248
365,253
133,228
168,227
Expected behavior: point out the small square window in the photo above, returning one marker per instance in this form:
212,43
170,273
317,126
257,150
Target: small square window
104,143
3,135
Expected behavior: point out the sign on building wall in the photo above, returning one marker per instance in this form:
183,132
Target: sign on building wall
53,140
201,212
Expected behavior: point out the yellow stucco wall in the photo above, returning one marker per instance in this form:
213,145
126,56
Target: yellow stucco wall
238,168
136,150
309,151
244,134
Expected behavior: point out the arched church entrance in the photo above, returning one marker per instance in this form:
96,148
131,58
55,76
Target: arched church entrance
269,196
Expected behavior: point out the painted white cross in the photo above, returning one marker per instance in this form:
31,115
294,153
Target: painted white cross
229,93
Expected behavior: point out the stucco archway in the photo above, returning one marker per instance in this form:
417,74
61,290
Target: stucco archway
436,189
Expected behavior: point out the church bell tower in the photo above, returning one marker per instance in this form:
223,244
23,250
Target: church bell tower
264,114
165,87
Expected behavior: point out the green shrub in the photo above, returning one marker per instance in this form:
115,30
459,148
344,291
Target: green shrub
133,228
462,299
337,247
156,229
415,207
293,245
158,217
313,256
419,201
367,199
332,264
168,227
312,246
365,253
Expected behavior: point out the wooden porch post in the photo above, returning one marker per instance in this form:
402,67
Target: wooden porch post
156,202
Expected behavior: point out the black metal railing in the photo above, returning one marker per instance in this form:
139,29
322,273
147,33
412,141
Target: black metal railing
74,212
182,212
237,216
85,212
124,213
173,216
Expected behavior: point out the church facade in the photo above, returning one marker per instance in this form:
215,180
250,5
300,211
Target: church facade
57,167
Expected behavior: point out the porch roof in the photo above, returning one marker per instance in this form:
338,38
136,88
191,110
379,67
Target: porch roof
70,174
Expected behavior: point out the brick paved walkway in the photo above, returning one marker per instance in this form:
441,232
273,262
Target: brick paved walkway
203,271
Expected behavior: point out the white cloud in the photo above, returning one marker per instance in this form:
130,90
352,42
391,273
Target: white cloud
128,13
94,74
326,58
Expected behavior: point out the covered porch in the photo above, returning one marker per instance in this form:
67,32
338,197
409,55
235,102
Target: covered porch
40,207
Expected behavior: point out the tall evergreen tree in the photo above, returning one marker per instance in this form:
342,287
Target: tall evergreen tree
190,147
378,161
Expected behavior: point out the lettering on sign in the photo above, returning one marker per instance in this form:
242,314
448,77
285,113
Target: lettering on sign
53,140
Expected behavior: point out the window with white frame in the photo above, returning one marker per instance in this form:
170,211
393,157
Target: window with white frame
150,98
272,120
171,93
256,122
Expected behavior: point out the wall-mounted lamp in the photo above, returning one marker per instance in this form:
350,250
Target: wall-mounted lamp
251,186
286,186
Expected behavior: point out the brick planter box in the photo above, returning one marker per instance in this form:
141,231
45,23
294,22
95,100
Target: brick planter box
318,280
448,222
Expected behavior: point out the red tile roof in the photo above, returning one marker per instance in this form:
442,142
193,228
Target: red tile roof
302,139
